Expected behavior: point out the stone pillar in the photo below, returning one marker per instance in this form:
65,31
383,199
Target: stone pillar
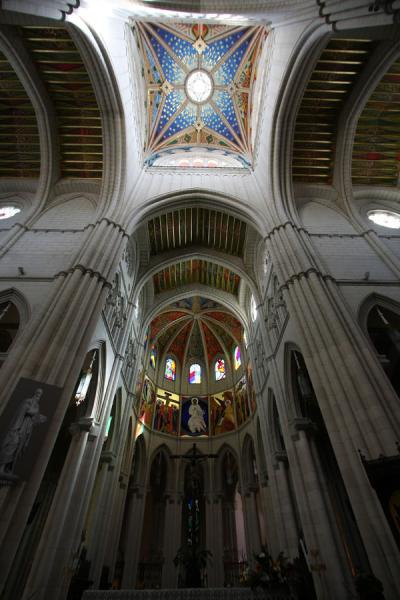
137,502
214,539
172,539
358,405
50,572
287,521
252,526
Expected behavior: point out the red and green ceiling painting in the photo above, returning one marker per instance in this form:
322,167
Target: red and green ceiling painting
199,89
206,331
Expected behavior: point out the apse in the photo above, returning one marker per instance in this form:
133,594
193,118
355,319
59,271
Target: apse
196,380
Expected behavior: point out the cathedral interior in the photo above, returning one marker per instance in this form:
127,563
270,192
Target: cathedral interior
199,297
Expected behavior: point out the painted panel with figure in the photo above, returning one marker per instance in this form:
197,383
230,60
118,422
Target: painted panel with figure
222,413
194,418
166,416
242,401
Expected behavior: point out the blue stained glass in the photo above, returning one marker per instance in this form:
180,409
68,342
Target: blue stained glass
228,69
185,119
171,70
172,102
216,50
214,121
225,104
182,48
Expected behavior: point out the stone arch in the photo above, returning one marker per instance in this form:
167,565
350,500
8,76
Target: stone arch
163,450
274,424
248,463
139,462
222,453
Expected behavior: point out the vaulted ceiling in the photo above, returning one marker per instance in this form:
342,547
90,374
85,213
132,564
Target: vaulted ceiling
196,226
19,135
330,84
59,65
195,328
199,89
196,271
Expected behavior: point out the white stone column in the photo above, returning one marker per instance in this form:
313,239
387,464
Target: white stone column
137,502
287,521
252,526
172,539
214,539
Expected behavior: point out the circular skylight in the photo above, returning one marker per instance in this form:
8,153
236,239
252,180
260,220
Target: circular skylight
199,86
6,212
385,218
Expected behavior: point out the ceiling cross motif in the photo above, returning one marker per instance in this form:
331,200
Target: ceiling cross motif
199,82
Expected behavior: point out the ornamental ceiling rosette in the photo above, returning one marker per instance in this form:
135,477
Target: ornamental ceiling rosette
200,84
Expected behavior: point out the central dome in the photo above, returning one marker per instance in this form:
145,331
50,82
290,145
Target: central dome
199,86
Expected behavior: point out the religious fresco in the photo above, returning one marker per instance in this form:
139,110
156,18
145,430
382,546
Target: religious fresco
194,415
166,414
148,403
200,85
242,401
196,271
222,413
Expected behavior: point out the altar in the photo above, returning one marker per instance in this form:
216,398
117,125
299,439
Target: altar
187,594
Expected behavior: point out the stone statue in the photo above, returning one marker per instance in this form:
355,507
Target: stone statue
19,434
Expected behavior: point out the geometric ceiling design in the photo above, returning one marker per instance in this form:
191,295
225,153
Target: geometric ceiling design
330,84
61,68
196,227
199,89
198,335
376,151
195,271
19,135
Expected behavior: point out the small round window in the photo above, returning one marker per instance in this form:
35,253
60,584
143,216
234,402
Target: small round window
6,212
385,218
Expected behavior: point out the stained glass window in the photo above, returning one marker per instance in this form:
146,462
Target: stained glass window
170,369
237,360
220,369
153,358
195,373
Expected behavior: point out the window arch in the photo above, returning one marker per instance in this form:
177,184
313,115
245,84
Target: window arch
253,308
195,373
153,357
237,358
220,369
170,369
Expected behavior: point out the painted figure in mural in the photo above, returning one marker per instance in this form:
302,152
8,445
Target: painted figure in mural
19,435
196,421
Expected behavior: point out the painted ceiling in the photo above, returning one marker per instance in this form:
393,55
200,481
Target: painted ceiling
376,151
196,328
196,227
196,271
328,88
199,81
58,64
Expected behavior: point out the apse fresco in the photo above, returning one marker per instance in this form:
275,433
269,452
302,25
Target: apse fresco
194,416
200,92
242,401
222,413
148,402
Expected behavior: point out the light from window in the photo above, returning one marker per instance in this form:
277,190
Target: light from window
170,369
6,212
385,218
220,372
253,309
195,373
237,359
199,86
